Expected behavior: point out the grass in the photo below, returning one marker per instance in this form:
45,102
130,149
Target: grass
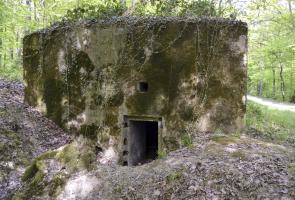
276,125
11,72
162,154
119,188
186,140
174,176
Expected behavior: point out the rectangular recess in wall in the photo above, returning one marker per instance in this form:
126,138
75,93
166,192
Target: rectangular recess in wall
141,140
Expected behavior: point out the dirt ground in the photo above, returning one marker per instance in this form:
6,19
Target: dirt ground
24,134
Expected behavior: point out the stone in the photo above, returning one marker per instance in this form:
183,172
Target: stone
157,193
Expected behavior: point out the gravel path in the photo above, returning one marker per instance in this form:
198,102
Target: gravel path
272,104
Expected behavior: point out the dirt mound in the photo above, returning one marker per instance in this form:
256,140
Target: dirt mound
214,167
24,134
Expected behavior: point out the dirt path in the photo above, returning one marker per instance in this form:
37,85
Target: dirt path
24,134
272,104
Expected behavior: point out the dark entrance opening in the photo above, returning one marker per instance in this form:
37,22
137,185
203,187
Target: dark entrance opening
142,142
143,87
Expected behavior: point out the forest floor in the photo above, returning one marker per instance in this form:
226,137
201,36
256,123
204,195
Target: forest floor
24,134
214,166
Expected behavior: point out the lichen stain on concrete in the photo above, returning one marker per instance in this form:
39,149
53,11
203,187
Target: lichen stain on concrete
85,75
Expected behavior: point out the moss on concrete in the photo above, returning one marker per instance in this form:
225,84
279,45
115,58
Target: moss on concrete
117,99
30,171
89,131
77,156
36,166
56,184
33,188
224,139
111,119
187,113
34,178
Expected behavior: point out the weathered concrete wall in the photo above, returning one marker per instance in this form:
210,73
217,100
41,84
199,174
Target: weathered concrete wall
84,76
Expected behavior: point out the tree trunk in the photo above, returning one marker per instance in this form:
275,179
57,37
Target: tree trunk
1,50
282,81
259,88
123,2
44,14
291,81
260,81
18,49
4,60
290,7
219,7
35,11
133,3
28,3
273,82
11,54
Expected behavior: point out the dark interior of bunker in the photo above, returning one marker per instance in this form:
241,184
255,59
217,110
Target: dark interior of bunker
142,142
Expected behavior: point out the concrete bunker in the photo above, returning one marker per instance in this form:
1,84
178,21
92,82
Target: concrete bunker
116,80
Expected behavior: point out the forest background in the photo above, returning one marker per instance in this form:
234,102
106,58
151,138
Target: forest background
271,58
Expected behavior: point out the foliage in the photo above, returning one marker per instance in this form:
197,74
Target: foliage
179,8
271,49
100,10
13,72
18,18
269,123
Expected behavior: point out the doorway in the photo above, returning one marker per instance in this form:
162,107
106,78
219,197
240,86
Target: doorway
142,142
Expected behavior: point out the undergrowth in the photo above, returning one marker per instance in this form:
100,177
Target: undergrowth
272,124
11,72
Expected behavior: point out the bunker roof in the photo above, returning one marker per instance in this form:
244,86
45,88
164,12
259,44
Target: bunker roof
139,20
